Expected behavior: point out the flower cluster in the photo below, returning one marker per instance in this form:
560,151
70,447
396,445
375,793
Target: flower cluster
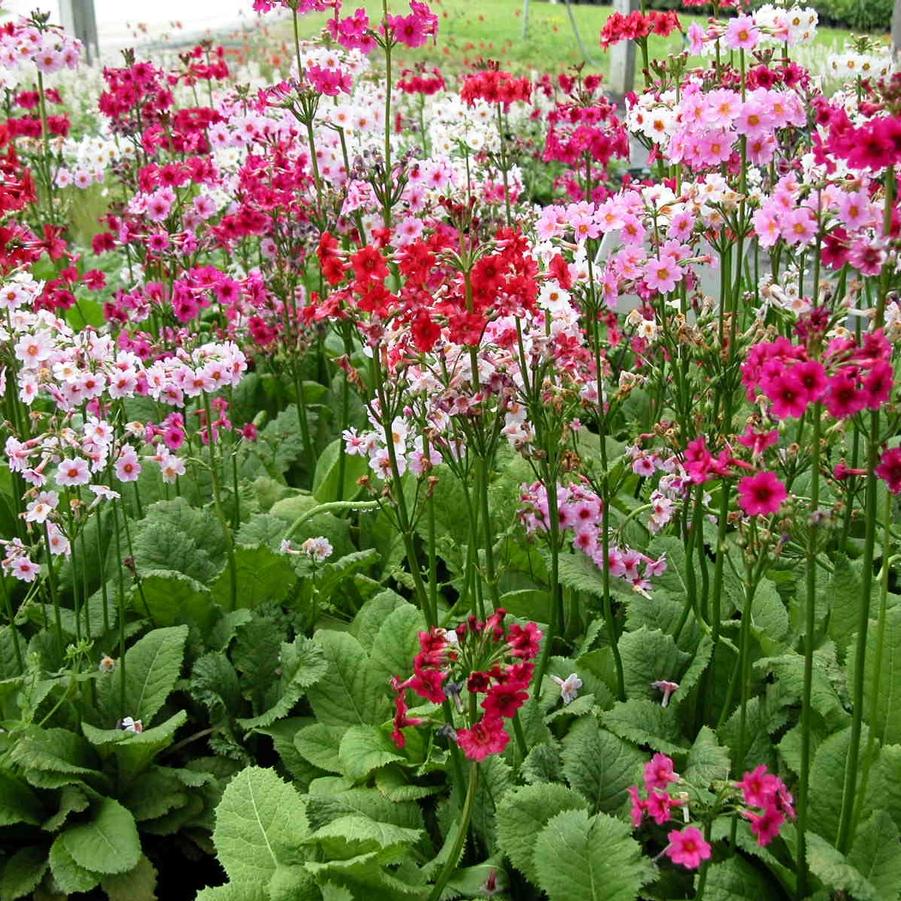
479,658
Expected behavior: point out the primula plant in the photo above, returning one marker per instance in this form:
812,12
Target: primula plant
424,485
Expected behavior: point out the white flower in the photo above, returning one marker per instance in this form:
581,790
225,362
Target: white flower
569,687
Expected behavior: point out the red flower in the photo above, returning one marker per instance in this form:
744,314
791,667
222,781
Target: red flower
761,494
504,700
485,738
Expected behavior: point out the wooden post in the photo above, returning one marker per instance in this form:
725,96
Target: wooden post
525,19
78,18
622,55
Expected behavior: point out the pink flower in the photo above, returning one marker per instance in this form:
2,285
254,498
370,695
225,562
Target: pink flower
687,847
766,825
659,804
787,394
759,787
741,33
658,772
761,494
662,275
889,469
73,472
637,810
485,738
128,467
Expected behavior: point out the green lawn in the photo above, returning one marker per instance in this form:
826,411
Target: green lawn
471,29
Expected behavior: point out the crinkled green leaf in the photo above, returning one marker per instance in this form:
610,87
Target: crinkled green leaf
649,656
319,744
138,884
260,822
834,870
887,704
301,664
876,854
364,749
707,760
152,667
18,803
350,692
169,598
583,858
261,575
600,765
107,843
645,723
397,643
69,877
523,813
22,872
737,879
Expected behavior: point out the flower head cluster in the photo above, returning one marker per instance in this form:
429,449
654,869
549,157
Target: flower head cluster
489,659
638,26
579,512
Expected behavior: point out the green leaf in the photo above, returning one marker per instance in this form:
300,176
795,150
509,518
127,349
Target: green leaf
876,854
302,664
138,884
325,478
353,834
319,744
134,750
645,723
582,858
152,667
769,613
170,598
72,799
599,765
887,718
262,575
108,843
235,891
736,879
884,790
364,749
827,776
372,614
55,752
648,656
397,643
260,821
23,871
707,760
577,572
69,877
523,813
832,868
350,692
18,803
162,545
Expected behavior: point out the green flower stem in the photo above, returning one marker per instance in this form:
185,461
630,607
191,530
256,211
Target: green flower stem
462,828
870,753
331,507
220,509
809,628
54,595
846,820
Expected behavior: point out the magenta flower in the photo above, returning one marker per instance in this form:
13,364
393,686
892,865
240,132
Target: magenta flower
687,848
761,494
658,772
